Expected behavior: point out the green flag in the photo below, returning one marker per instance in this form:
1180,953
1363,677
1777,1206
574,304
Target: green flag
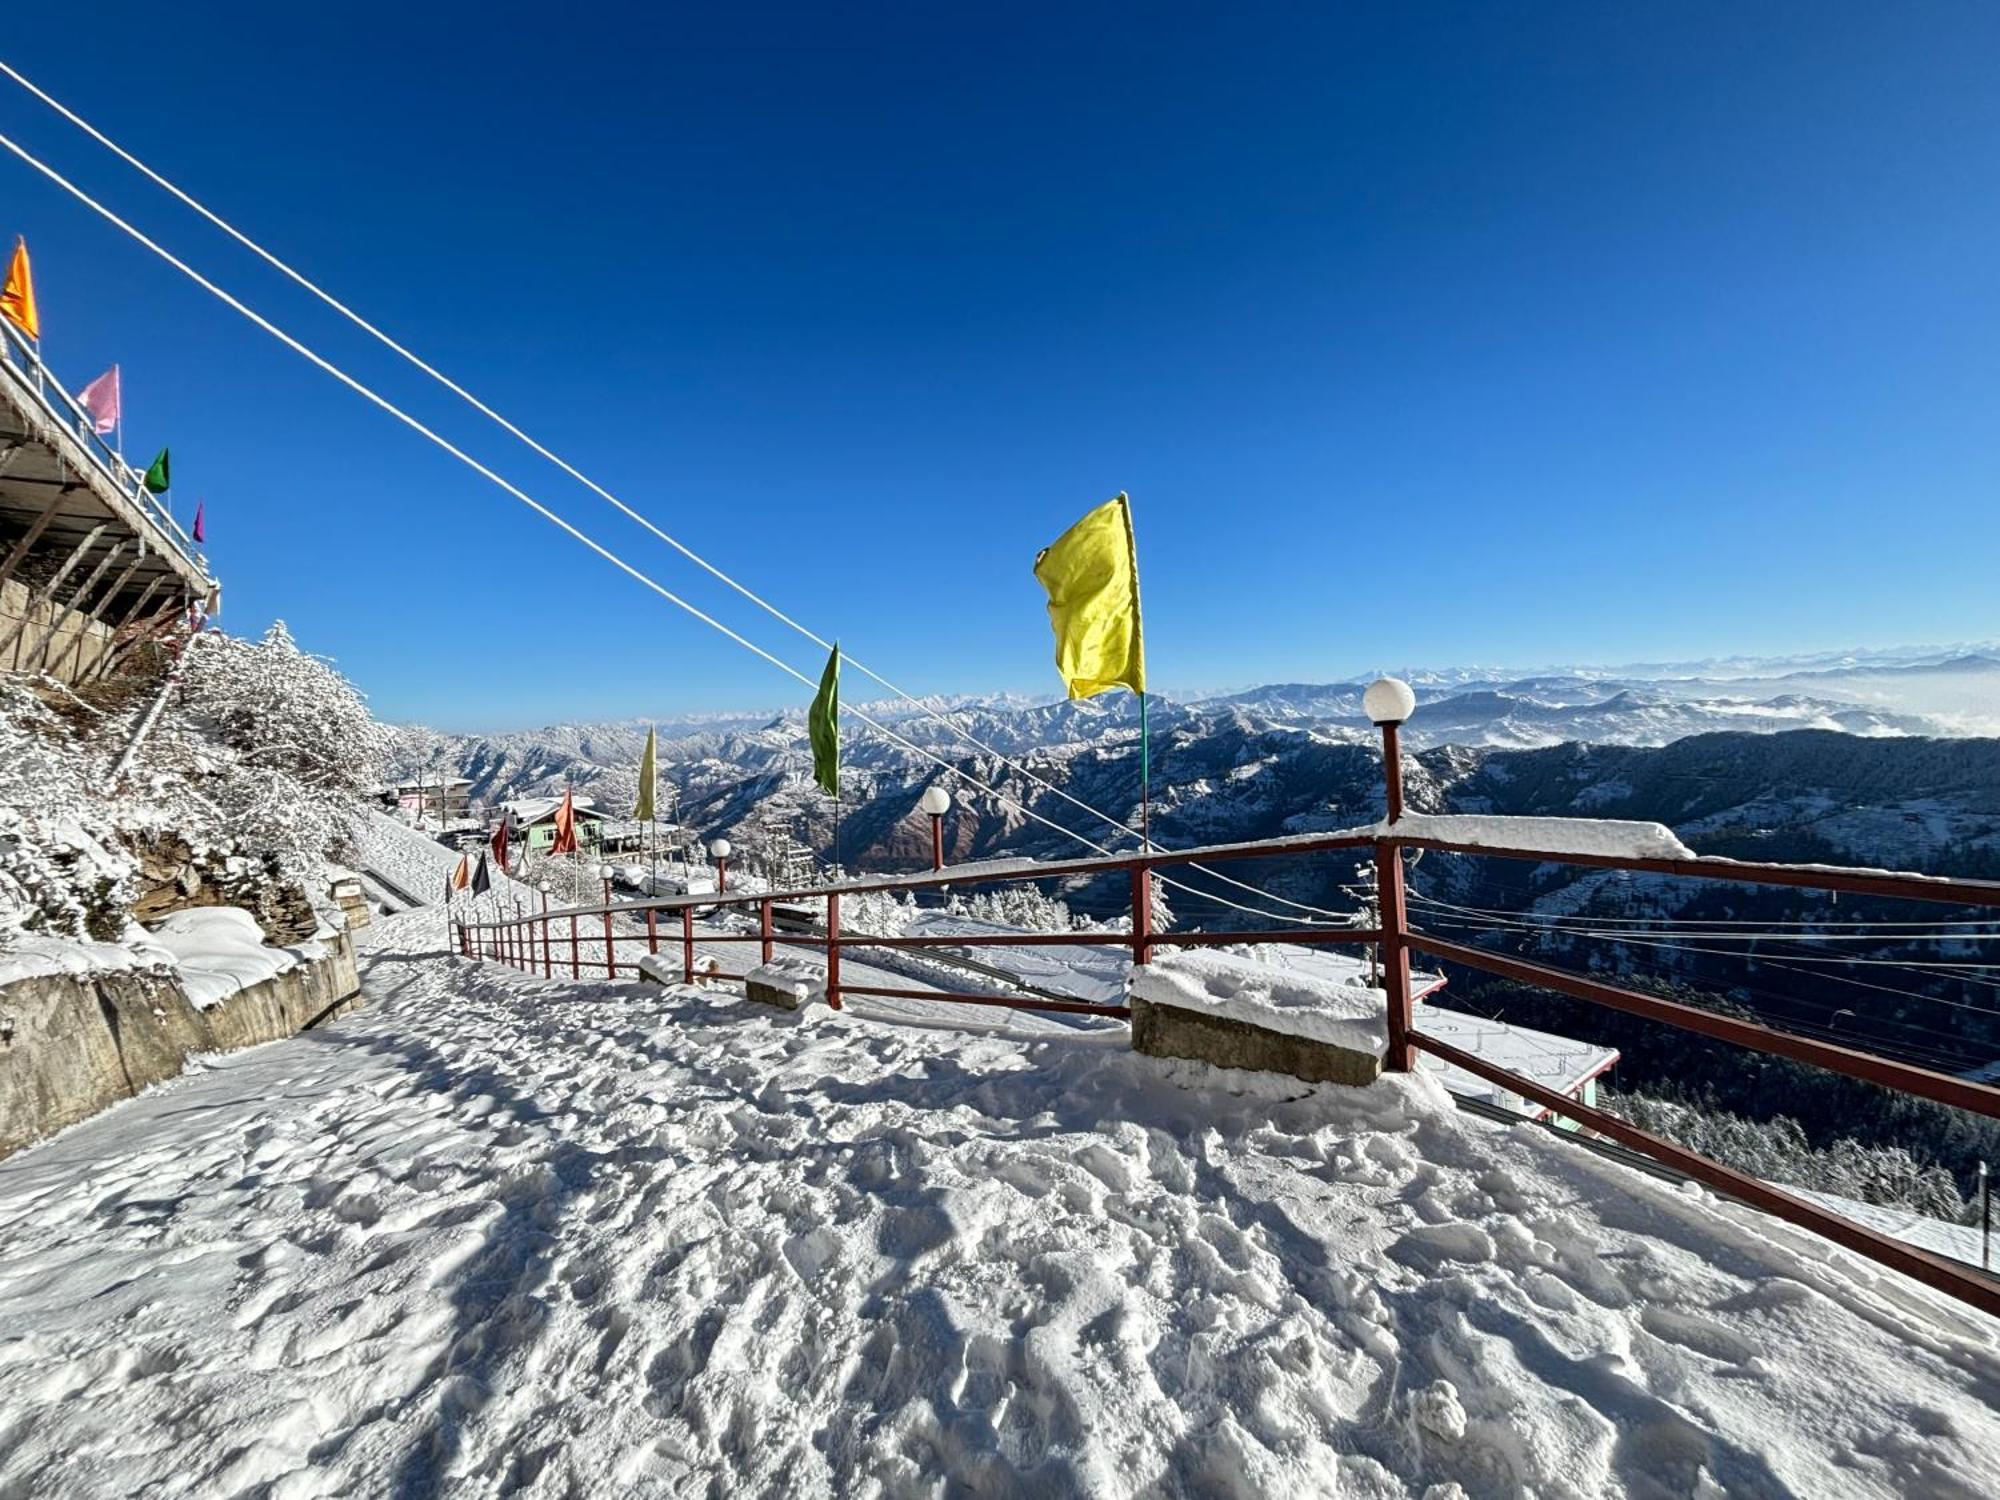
823,723
649,772
156,476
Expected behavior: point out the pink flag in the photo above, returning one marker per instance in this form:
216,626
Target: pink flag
100,399
199,534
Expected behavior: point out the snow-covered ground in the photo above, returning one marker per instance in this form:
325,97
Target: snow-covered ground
493,1235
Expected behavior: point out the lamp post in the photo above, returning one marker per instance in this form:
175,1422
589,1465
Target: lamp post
1388,703
720,849
937,802
610,953
548,957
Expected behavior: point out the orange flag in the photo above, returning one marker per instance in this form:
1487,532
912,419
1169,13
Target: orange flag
17,297
462,876
565,827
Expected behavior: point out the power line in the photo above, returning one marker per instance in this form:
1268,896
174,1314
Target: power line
549,515
1751,958
305,282
1639,937
1804,927
1948,1060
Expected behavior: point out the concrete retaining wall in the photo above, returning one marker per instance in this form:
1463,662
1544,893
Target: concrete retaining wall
71,1045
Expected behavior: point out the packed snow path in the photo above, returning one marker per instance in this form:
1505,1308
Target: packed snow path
493,1235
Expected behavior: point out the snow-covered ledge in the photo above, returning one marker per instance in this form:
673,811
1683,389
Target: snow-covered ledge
788,983
1605,837
1236,1012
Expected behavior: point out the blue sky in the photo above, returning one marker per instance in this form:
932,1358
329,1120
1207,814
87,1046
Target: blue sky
1419,334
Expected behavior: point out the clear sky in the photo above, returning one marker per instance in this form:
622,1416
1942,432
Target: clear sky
1436,334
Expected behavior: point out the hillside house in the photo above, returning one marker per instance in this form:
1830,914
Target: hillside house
1564,1064
436,799
531,823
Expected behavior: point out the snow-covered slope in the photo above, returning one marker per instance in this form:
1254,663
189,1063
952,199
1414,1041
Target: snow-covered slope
492,1236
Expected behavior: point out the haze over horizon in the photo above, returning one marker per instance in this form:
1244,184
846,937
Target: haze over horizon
1434,679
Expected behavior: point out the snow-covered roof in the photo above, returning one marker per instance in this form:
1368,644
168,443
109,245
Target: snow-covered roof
1958,1241
1555,1062
526,810
428,784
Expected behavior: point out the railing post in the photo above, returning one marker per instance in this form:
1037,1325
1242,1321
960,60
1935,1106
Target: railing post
610,943
1395,954
575,953
833,950
687,945
764,928
1142,914
652,929
548,955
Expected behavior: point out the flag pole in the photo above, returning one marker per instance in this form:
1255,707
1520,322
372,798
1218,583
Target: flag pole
1145,776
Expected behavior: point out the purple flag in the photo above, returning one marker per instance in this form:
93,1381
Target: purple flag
101,399
199,534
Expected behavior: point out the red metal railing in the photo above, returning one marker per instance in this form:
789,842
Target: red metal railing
511,940
514,941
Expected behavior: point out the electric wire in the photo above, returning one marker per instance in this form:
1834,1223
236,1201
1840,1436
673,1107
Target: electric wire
1641,939
1955,1059
390,343
1864,1028
549,515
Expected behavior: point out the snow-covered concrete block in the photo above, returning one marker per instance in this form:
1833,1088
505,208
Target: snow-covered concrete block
1238,1012
665,968
789,983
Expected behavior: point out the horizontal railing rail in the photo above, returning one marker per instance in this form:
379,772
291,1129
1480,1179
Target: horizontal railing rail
514,939
24,361
1934,1270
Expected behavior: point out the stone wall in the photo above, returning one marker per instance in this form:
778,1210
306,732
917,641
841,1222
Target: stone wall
76,648
73,1044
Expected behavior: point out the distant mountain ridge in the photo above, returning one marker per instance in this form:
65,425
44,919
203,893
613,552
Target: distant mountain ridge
1260,760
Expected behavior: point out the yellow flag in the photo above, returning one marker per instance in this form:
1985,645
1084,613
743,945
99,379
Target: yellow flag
1092,574
17,297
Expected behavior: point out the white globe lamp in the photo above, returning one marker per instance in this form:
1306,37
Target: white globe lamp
937,802
1388,703
1388,700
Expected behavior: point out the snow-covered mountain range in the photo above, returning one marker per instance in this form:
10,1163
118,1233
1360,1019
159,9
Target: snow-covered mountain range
737,769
